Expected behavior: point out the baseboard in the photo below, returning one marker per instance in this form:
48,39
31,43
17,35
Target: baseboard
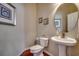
48,53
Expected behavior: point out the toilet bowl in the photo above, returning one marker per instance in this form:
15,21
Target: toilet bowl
37,49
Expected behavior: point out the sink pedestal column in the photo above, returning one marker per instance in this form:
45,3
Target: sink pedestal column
62,50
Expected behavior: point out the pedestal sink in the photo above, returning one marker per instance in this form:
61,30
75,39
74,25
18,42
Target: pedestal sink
62,43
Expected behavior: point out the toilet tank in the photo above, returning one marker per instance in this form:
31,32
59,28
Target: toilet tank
37,41
43,41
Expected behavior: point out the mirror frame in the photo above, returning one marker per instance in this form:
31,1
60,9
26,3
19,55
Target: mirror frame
54,12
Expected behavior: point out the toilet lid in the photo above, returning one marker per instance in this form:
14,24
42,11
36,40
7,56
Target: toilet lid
36,47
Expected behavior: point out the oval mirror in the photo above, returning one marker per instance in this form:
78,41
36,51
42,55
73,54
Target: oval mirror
66,17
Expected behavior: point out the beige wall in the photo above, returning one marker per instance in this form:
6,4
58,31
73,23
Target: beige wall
30,24
33,29
12,37
47,10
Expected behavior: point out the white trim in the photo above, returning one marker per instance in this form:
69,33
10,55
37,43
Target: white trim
48,53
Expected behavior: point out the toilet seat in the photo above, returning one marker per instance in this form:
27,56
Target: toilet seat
36,48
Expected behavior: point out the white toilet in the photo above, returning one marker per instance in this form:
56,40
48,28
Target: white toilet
37,49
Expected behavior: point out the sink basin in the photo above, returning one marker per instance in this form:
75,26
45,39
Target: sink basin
64,41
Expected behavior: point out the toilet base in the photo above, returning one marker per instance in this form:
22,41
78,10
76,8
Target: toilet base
38,54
